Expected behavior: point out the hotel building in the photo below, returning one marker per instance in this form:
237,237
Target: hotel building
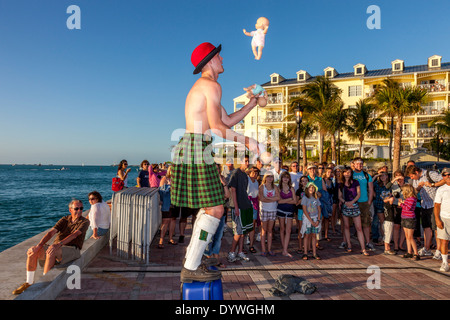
358,84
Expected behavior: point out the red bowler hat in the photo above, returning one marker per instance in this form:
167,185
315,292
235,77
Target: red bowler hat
202,54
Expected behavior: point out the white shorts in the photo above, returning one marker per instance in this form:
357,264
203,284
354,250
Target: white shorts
444,234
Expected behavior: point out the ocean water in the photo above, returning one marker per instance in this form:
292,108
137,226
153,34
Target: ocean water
33,198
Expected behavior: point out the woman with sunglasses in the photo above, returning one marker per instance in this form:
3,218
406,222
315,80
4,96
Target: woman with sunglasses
99,216
122,172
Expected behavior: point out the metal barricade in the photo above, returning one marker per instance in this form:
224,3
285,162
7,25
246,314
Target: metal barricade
135,219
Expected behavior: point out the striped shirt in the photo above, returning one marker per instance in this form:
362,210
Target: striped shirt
427,193
408,207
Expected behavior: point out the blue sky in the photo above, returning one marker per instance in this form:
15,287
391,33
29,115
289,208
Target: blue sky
115,89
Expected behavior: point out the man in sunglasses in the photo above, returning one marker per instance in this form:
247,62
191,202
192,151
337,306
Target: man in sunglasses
70,232
442,216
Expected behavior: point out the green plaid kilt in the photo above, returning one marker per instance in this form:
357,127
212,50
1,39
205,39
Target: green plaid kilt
195,177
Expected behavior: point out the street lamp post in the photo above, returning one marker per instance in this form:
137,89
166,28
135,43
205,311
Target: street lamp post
298,118
439,142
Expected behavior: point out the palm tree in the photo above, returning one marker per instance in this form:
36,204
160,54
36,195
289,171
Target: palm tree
364,123
306,129
399,102
442,123
318,98
385,98
336,120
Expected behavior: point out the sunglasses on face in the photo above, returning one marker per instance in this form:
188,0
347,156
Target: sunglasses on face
78,208
446,174
92,199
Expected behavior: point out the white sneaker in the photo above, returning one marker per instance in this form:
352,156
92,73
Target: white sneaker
231,257
437,255
247,240
422,252
444,267
258,237
427,252
243,257
343,245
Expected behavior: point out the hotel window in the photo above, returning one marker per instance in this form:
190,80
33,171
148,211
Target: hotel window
435,62
329,74
301,77
397,67
354,91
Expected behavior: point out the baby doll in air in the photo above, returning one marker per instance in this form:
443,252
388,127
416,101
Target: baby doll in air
262,24
256,89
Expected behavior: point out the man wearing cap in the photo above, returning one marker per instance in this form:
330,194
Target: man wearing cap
195,178
442,217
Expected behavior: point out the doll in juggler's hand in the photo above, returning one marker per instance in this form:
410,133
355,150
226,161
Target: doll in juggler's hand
257,90
262,24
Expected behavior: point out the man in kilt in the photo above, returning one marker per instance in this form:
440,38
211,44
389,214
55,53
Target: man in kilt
195,180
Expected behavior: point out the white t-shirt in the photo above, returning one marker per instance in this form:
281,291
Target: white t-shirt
295,177
443,197
252,188
100,215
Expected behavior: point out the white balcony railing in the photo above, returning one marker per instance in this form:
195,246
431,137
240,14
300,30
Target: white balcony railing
435,87
426,133
276,99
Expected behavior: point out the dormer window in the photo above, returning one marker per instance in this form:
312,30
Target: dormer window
434,61
398,65
359,69
330,72
302,75
275,78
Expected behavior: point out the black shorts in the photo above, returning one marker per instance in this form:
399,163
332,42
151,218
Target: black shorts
409,223
397,215
427,218
183,212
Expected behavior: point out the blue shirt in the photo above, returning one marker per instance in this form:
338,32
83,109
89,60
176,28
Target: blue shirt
317,181
364,187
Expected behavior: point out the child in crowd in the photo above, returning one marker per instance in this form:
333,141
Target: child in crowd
300,194
252,192
268,196
312,216
349,193
285,210
409,220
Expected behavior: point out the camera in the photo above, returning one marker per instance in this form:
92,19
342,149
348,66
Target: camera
396,194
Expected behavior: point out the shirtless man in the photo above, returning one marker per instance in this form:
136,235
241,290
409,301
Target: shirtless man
195,179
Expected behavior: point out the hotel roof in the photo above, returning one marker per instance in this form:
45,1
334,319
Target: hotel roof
368,74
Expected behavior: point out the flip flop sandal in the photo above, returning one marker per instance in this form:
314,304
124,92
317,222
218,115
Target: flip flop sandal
160,246
252,250
172,242
365,253
264,254
349,250
271,253
304,257
317,257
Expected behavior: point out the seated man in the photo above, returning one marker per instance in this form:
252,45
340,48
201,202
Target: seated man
71,231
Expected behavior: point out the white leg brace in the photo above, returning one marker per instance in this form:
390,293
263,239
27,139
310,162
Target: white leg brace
204,229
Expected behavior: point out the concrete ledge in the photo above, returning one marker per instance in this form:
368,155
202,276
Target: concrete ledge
48,287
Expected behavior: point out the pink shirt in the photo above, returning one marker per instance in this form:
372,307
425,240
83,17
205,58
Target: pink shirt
153,177
408,207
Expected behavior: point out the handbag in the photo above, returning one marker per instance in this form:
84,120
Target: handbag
117,184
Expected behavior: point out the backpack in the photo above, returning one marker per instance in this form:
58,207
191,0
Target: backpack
117,184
